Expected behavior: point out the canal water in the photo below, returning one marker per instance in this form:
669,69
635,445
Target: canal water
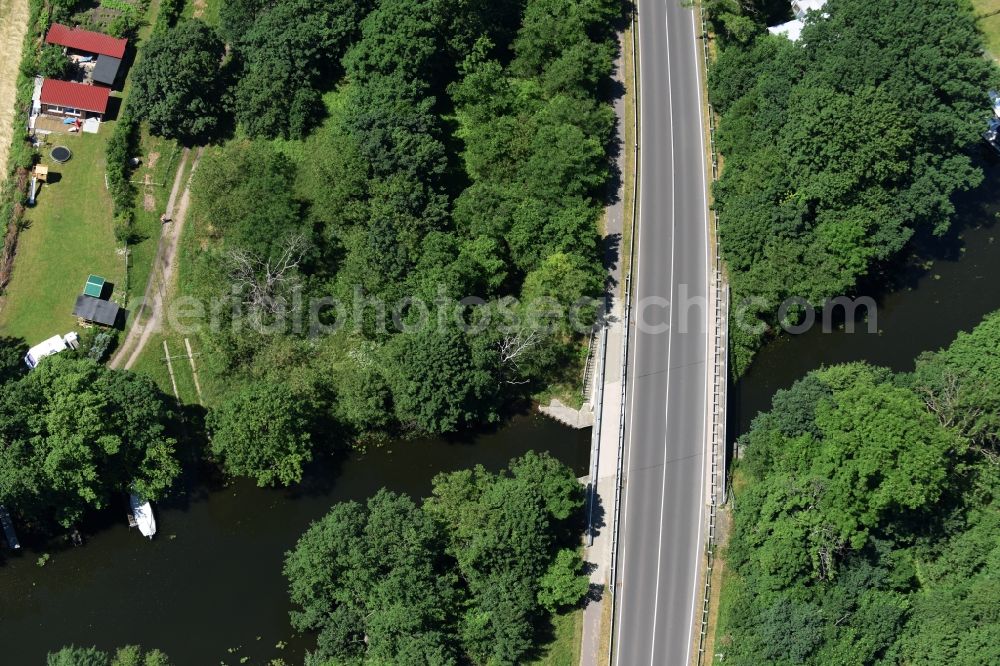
209,588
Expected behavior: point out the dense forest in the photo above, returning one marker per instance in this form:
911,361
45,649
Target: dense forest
471,575
394,158
867,521
840,147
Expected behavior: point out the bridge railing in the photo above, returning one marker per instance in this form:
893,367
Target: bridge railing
626,334
719,370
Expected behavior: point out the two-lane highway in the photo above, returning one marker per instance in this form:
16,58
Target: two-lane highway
663,505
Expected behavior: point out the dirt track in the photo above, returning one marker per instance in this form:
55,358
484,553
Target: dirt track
163,270
13,26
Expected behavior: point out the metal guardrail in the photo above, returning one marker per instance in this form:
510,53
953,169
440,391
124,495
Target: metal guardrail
588,368
595,433
626,334
720,372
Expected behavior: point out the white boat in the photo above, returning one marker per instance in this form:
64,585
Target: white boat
142,512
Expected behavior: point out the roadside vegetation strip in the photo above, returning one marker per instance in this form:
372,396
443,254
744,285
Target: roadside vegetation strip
632,207
631,150
719,370
18,154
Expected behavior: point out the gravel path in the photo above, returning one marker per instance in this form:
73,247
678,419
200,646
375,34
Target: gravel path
153,301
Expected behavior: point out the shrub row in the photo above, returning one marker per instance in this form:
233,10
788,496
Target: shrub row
22,156
170,11
122,145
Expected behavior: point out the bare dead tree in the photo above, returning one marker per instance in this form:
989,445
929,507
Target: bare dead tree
263,280
512,346
950,404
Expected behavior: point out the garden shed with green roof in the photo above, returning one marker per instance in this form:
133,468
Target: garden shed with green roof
94,286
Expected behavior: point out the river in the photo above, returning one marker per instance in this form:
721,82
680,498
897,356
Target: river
209,588
949,287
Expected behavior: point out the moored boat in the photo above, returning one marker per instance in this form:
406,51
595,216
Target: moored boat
142,513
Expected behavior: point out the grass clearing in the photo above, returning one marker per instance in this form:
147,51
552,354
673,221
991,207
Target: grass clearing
206,10
564,650
988,15
151,360
153,363
13,27
70,235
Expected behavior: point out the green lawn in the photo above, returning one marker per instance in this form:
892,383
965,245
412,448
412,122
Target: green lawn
564,650
71,231
988,12
70,236
206,10
153,363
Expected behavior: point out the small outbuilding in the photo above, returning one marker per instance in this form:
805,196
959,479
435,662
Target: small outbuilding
96,310
95,286
86,46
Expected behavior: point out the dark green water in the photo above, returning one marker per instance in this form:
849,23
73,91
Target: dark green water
211,580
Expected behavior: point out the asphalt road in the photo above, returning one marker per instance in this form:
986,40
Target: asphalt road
663,506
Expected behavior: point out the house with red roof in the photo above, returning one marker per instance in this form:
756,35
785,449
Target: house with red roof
67,99
101,53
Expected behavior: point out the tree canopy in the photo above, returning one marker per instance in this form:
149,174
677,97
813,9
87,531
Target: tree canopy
176,85
839,147
463,154
290,51
961,384
262,431
74,433
866,521
130,655
471,573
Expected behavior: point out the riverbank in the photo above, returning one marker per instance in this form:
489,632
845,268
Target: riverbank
217,560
